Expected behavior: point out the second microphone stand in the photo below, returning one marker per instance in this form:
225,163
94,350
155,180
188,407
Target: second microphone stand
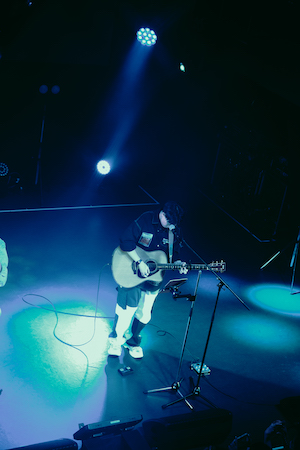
196,390
175,386
293,263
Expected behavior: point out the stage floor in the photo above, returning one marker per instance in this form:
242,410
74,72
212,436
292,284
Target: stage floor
58,307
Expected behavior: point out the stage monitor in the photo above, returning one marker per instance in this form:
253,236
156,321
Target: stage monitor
191,430
107,427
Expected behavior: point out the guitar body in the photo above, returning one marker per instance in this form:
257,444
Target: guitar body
126,275
123,267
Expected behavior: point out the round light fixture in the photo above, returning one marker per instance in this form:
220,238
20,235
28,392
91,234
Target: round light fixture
146,37
103,167
3,169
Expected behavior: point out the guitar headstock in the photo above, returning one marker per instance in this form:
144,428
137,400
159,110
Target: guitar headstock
218,266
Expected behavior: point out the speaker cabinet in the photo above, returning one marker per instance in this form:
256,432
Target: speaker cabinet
188,431
290,409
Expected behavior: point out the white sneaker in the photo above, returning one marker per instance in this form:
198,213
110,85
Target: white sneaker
135,352
115,348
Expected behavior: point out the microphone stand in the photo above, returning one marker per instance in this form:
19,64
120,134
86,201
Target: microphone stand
38,177
196,390
293,263
175,386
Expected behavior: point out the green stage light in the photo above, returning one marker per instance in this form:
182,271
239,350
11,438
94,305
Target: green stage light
267,332
276,298
60,370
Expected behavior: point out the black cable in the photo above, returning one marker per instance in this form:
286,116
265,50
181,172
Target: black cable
60,312
161,332
75,346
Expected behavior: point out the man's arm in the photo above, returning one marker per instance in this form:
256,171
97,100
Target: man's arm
143,268
128,243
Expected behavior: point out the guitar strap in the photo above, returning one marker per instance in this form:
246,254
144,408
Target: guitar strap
171,243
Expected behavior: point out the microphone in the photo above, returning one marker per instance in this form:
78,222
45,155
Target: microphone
172,227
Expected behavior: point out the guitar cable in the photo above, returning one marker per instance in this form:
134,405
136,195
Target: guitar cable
95,317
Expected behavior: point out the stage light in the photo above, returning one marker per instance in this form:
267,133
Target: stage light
267,333
146,37
43,89
103,167
182,67
276,298
3,169
55,89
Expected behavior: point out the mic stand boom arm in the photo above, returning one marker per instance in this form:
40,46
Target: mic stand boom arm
217,276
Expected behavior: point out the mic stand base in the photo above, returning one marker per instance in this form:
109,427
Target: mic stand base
196,393
174,388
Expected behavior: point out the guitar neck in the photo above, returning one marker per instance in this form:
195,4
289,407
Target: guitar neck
215,266
170,266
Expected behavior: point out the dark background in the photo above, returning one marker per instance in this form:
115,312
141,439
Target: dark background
227,127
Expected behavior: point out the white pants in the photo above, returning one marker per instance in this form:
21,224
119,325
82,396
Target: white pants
142,313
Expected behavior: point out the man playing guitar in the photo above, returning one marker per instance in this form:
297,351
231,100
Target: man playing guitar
152,231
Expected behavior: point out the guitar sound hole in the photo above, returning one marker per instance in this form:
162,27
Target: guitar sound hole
152,266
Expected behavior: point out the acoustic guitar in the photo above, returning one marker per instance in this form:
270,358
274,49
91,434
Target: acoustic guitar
127,275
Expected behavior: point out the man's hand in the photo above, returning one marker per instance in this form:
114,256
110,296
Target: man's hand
142,266
144,269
